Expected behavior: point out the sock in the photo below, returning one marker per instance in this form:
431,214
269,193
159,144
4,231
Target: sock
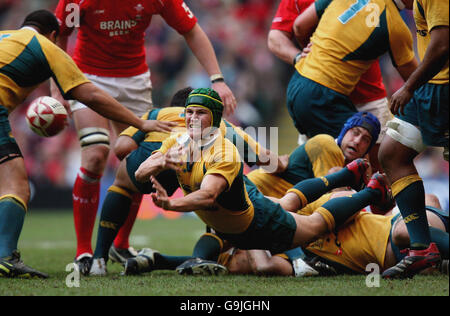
85,196
123,236
337,211
208,247
310,190
441,239
409,195
165,262
12,216
114,213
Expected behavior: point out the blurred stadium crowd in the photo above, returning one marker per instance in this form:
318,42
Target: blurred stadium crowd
238,30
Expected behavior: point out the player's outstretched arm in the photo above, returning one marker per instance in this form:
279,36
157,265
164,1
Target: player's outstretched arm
203,50
107,106
202,199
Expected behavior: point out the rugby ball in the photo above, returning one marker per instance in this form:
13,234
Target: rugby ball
46,116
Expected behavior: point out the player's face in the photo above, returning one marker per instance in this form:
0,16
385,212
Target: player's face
355,143
198,119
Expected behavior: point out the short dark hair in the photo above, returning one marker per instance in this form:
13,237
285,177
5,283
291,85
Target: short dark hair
180,97
44,20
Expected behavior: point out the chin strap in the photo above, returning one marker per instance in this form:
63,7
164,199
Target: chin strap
400,5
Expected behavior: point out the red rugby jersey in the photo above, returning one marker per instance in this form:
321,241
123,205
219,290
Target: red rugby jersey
110,39
370,86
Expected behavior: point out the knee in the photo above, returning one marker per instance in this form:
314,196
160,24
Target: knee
94,158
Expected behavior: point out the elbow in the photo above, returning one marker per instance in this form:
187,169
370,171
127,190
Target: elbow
271,43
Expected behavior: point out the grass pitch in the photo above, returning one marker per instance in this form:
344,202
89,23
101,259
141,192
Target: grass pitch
48,244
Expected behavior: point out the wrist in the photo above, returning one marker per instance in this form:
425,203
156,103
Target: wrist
297,58
217,78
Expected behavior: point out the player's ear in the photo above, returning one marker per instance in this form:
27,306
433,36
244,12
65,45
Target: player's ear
52,36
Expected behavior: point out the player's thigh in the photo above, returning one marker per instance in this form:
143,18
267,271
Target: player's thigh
122,178
309,228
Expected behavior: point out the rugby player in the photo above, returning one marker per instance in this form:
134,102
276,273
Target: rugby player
110,51
421,108
28,57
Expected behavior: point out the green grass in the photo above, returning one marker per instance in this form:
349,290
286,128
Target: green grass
48,244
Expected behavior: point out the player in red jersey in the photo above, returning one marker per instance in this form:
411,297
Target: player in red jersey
369,94
110,51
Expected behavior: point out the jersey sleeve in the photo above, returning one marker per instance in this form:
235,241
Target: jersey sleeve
65,72
287,12
225,162
136,134
436,13
285,16
177,14
324,154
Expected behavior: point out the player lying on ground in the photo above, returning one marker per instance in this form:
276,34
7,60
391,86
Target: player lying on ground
368,239
210,173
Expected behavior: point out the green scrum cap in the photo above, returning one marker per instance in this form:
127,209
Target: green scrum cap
209,99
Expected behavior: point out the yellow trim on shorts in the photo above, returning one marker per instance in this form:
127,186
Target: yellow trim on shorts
16,199
300,195
119,190
329,219
399,185
216,237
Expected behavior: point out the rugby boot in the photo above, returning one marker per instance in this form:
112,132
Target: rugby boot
386,202
443,267
359,169
414,262
121,255
84,263
98,267
13,267
143,262
197,266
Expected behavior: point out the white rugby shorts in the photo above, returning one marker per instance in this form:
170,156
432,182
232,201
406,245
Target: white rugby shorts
135,93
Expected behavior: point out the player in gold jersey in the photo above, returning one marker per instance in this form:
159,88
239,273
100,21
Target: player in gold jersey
421,108
209,171
349,37
321,153
134,147
29,57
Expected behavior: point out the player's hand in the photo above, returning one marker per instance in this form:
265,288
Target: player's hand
56,94
157,126
160,197
227,96
306,50
173,159
283,162
399,99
